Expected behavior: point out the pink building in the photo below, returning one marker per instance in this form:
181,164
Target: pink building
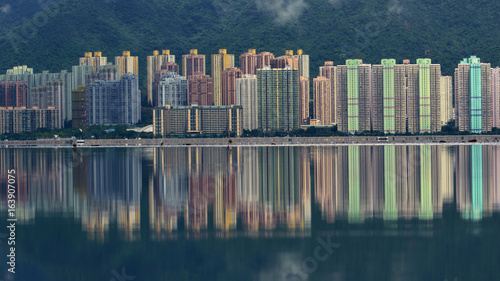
200,90
495,90
248,62
193,64
264,59
229,77
13,94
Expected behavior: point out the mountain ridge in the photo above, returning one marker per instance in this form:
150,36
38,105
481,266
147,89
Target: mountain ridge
444,30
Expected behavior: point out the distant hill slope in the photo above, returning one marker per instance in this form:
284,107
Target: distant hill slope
443,30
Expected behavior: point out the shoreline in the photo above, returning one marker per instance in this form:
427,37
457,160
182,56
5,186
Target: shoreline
264,141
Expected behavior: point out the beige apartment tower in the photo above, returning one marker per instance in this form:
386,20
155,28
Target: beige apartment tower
127,64
446,99
94,61
246,96
329,71
495,91
220,62
304,94
322,100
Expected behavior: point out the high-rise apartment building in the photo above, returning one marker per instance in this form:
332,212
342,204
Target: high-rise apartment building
50,95
304,95
495,93
248,62
78,107
172,90
322,100
20,69
154,63
287,59
193,64
200,90
354,94
384,93
303,64
43,78
473,97
165,67
14,94
446,99
246,96
114,101
197,119
229,77
406,97
104,72
127,64
220,62
299,61
94,61
22,119
330,72
264,59
79,74
278,98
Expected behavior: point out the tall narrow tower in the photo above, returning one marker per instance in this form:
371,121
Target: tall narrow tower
220,62
154,64
248,62
127,64
193,64
473,97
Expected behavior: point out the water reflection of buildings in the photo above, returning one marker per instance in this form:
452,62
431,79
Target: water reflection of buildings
249,190
98,187
261,187
477,180
41,182
112,181
390,182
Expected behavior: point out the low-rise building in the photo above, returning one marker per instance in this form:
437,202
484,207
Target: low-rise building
180,120
25,120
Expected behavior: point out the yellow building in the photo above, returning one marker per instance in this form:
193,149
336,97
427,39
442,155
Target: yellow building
94,61
220,62
127,64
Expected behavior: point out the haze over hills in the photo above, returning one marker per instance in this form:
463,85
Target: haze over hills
54,37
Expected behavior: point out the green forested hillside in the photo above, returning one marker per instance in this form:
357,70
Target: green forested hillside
443,30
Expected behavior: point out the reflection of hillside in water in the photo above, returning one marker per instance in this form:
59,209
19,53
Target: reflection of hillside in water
250,191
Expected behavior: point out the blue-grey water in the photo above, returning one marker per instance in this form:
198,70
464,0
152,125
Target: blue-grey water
253,213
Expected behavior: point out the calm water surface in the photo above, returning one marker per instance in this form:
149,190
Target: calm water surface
254,213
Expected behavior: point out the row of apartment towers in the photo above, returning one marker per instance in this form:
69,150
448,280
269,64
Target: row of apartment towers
387,97
407,98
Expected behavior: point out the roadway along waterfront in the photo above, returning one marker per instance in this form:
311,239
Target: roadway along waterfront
362,140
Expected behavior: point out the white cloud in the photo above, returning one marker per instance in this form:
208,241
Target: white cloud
284,10
5,9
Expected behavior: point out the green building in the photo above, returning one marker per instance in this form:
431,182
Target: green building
278,98
473,96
